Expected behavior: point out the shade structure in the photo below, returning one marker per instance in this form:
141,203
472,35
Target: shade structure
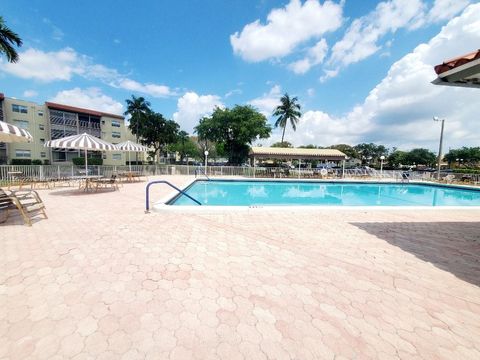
463,71
131,146
83,142
11,133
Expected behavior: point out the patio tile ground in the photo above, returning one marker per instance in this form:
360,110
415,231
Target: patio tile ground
100,279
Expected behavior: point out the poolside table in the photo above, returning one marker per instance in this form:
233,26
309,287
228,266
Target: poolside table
86,181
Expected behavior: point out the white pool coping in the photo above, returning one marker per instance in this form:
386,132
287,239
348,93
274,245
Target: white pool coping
162,204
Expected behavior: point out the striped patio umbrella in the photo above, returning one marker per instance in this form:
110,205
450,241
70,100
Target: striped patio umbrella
83,142
11,133
131,146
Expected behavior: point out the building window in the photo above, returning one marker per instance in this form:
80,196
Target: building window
19,108
103,122
104,156
42,141
115,123
43,154
117,156
40,113
116,134
41,126
23,124
22,153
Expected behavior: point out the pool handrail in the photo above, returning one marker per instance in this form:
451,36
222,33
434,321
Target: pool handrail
201,171
147,193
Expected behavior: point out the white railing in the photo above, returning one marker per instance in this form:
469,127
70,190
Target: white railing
11,173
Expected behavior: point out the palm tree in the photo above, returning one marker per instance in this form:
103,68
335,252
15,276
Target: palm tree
137,107
7,39
288,110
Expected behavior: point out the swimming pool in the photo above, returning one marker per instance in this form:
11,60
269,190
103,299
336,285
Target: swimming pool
301,193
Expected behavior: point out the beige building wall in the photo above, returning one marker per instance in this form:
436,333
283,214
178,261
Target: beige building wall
31,117
35,118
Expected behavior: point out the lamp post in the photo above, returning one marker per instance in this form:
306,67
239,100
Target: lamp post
439,159
206,161
381,164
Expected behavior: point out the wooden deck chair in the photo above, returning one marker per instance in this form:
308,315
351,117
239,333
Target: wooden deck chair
26,202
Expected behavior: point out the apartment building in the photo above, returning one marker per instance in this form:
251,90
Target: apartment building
50,121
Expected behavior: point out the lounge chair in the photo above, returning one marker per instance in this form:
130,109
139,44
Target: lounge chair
449,178
26,202
112,182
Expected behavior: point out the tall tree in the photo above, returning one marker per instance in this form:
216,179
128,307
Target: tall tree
346,149
421,157
234,130
284,144
137,108
185,146
9,39
158,132
288,110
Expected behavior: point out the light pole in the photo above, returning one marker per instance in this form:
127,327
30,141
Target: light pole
206,161
381,164
439,159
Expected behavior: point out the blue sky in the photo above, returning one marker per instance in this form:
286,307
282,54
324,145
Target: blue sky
349,62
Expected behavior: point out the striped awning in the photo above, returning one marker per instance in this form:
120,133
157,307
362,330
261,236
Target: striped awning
131,146
82,141
11,133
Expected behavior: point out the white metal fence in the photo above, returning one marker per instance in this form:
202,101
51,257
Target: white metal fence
11,173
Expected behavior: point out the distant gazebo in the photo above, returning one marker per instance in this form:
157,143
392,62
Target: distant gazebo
276,153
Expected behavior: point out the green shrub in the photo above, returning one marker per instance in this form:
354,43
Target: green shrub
21,162
36,162
466,171
46,162
134,162
91,161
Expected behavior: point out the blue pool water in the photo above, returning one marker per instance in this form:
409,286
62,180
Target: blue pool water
288,193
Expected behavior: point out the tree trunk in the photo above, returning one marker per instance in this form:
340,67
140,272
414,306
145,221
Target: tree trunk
283,132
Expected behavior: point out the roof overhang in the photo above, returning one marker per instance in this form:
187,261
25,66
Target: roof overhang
52,105
463,71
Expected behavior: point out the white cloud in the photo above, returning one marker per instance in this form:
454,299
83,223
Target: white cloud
311,92
399,110
361,38
191,107
30,93
268,101
46,66
446,9
285,29
64,64
327,74
233,92
91,98
57,33
315,56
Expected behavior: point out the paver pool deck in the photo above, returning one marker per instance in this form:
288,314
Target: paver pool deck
100,279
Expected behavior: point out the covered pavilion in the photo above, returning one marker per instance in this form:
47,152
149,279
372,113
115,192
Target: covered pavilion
277,153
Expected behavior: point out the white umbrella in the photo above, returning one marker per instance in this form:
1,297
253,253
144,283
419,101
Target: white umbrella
82,141
11,133
131,146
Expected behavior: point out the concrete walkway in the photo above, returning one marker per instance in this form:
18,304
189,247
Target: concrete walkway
100,279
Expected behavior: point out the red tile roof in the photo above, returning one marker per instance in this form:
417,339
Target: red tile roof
453,63
81,110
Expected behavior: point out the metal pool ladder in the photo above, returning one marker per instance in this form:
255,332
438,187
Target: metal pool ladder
147,193
201,171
